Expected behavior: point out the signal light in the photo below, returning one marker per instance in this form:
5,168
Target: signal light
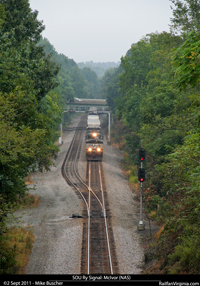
141,154
141,175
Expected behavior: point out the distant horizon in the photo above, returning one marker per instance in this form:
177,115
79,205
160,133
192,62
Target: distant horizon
98,62
99,67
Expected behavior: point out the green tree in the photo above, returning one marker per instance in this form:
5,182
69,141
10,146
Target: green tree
22,20
159,103
186,61
20,56
133,83
22,147
78,82
92,85
109,86
186,16
177,173
159,107
26,121
64,89
2,15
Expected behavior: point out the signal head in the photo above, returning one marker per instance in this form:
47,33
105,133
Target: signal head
141,175
142,154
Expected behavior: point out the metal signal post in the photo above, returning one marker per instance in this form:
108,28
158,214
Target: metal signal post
141,177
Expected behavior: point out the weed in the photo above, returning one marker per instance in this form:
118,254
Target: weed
185,257
15,247
29,200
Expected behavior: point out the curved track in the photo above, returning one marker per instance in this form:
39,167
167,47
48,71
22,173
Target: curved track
98,251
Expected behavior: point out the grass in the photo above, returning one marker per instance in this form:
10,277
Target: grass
29,201
16,243
16,246
128,169
28,179
157,235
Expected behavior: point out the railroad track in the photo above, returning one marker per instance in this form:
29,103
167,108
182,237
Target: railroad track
98,250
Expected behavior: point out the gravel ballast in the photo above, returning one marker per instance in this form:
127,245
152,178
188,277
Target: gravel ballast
124,213
58,237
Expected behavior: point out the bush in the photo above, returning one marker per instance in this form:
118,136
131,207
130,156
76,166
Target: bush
15,247
186,257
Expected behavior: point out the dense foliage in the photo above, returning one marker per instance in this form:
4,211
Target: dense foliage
109,86
186,16
29,109
73,80
157,99
98,68
92,83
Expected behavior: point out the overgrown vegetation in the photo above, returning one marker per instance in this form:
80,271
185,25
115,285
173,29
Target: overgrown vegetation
156,97
15,247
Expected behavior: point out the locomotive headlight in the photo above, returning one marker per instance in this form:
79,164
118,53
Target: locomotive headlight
98,149
90,149
94,134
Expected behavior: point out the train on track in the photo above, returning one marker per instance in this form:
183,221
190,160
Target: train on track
94,136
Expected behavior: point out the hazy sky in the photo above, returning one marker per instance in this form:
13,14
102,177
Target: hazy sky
100,30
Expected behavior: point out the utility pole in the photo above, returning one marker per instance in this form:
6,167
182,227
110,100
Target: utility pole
141,177
60,138
109,142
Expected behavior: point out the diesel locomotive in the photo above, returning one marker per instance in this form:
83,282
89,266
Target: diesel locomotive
94,137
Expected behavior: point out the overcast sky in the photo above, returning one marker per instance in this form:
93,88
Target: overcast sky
100,30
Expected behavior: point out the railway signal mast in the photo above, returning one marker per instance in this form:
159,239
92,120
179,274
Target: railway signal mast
141,178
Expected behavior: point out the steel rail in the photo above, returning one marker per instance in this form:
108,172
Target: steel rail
89,207
65,172
105,220
88,264
81,180
88,204
75,171
78,136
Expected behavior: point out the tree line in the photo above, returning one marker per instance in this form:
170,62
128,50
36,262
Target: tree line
28,107
155,95
99,68
73,80
35,84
